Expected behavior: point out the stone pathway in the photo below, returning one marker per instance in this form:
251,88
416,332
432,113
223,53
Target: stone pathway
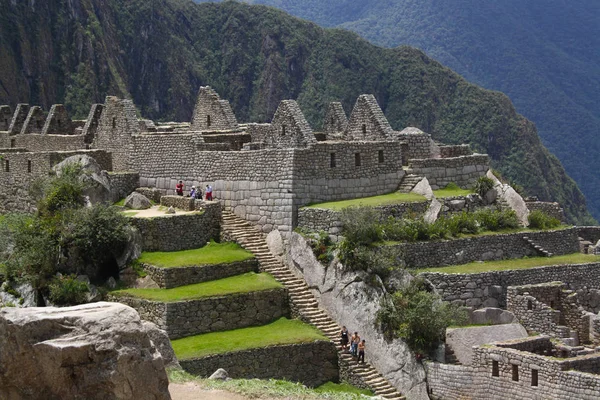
250,238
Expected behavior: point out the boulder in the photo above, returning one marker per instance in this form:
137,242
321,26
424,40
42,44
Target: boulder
462,340
132,250
170,210
137,201
424,189
275,243
96,180
352,299
162,343
220,375
512,198
433,211
92,351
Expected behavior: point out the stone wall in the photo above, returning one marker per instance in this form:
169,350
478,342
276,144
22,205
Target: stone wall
488,289
58,121
554,378
18,169
34,122
484,248
462,171
335,121
289,128
367,121
312,364
589,299
174,232
550,208
36,142
212,314
590,233
418,144
18,119
322,219
452,151
212,113
179,202
122,184
235,141
4,140
5,118
173,277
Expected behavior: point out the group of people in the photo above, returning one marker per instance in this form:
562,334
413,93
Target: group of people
357,346
195,193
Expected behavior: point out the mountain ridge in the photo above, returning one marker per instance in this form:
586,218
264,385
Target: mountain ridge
159,52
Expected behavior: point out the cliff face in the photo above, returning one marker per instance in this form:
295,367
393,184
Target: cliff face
158,52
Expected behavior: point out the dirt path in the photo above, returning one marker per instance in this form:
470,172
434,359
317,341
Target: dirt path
191,391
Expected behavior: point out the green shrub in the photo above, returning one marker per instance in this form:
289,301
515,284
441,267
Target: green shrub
483,185
540,220
418,316
361,225
375,260
496,220
68,291
461,223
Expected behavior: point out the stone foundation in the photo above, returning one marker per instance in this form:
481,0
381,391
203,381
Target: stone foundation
311,364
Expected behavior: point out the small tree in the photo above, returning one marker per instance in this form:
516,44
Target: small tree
483,185
418,316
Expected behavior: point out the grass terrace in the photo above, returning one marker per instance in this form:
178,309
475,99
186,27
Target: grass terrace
212,253
282,331
520,263
451,192
374,201
249,282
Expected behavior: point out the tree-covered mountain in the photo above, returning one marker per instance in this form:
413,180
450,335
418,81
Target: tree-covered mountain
545,55
158,52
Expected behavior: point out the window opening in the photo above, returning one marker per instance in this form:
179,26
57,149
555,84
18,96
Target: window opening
357,159
534,377
332,160
495,368
515,373
381,156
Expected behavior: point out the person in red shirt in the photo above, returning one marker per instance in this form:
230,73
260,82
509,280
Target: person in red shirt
179,188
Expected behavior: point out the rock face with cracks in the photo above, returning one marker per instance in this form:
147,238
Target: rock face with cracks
96,180
352,302
93,351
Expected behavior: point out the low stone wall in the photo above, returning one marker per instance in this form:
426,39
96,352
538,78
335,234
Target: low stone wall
484,248
458,204
549,208
151,193
322,219
37,142
451,151
488,289
589,299
462,171
590,233
181,202
181,276
449,381
180,232
212,314
122,184
311,364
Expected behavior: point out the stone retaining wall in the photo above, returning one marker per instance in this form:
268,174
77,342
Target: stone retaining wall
462,171
37,142
488,289
483,248
322,219
122,184
311,364
451,151
180,231
180,202
549,208
212,314
590,233
181,276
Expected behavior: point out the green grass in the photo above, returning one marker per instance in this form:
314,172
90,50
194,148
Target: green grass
374,201
343,387
120,203
282,331
520,263
262,388
250,282
451,192
212,253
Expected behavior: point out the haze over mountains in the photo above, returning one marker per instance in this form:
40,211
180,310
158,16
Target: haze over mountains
159,52
545,55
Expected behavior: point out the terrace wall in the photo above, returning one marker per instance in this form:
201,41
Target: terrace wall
212,314
462,171
188,275
311,364
488,289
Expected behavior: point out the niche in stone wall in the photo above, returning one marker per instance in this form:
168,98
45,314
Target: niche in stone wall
13,143
29,166
332,160
114,122
364,129
534,377
208,121
6,166
357,159
495,368
283,130
380,156
515,373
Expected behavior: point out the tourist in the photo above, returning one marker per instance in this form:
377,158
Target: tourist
193,192
361,352
198,194
208,193
179,188
344,338
354,344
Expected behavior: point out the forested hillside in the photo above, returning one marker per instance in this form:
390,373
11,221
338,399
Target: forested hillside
158,52
545,55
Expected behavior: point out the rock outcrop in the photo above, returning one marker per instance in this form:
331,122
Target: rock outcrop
96,180
137,201
92,351
352,302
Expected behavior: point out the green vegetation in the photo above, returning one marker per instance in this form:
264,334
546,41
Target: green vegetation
451,190
271,389
249,282
418,317
519,263
374,201
540,220
212,253
483,185
66,290
120,203
282,331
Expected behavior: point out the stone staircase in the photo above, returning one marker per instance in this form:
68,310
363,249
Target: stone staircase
303,302
409,182
537,247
